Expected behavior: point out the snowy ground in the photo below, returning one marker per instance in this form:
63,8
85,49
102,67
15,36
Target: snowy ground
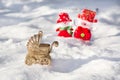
72,60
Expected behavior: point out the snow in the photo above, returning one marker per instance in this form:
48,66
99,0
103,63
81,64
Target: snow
73,59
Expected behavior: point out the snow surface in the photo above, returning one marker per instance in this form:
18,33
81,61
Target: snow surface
73,59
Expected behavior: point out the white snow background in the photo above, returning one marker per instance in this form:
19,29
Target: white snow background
72,60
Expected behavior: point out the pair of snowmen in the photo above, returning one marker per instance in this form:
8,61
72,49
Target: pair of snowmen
83,23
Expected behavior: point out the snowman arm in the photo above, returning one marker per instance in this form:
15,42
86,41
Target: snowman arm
79,15
71,29
58,29
95,20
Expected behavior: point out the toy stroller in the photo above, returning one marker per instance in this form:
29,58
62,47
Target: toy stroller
39,53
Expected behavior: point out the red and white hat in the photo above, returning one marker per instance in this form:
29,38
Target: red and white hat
63,18
88,15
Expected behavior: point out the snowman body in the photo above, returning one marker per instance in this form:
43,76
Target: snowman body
84,23
64,29
83,30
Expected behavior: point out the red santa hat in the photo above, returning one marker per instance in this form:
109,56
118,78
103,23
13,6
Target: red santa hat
63,17
88,15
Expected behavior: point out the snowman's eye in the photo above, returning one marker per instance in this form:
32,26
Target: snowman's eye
83,23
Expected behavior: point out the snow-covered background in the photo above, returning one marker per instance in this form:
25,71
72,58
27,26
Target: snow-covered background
72,60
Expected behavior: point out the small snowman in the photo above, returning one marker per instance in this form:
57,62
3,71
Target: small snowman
84,23
64,29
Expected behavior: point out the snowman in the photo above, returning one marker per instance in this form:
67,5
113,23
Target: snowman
64,29
84,23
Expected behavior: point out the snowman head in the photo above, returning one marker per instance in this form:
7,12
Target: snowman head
83,23
86,18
